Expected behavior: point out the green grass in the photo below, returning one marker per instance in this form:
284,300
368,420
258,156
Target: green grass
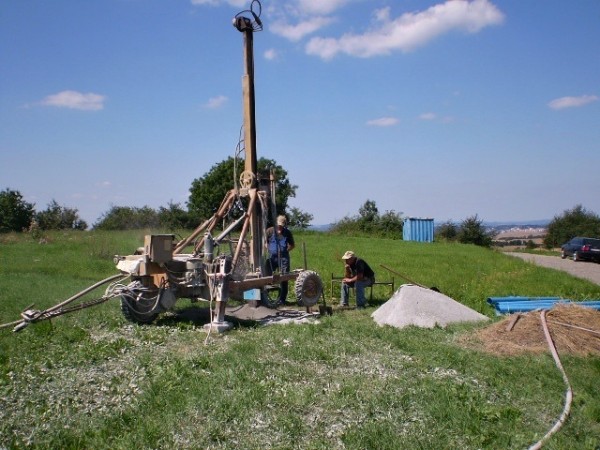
92,380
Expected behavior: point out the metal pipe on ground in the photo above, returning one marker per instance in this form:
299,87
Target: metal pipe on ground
433,288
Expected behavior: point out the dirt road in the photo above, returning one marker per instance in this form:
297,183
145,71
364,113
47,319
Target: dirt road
581,269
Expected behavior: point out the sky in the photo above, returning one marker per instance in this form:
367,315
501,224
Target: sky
432,109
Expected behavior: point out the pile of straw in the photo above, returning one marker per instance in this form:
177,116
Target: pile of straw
574,330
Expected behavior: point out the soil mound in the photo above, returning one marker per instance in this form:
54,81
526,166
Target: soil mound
574,329
422,307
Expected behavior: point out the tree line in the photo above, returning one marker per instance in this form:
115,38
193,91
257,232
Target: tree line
207,192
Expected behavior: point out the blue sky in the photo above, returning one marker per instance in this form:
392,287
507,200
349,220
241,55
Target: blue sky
429,108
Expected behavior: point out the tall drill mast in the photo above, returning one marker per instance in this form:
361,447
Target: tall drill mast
248,26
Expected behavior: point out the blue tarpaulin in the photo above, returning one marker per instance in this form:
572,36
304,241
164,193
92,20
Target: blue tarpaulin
512,304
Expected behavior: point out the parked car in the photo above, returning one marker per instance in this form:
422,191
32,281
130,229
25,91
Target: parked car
581,248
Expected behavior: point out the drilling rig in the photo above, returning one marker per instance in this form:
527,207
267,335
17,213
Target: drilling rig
221,259
228,265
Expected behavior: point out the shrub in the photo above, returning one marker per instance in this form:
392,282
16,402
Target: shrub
57,217
573,222
15,213
128,218
369,222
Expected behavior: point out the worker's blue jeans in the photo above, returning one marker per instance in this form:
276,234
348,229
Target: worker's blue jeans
359,286
283,264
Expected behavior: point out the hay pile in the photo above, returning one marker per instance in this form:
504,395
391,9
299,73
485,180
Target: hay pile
574,330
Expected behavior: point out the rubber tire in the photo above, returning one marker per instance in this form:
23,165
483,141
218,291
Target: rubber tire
269,296
563,255
141,313
308,288
575,257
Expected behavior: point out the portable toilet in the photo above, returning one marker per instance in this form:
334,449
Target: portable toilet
417,229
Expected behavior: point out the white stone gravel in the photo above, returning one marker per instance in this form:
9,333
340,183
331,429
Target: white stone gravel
422,307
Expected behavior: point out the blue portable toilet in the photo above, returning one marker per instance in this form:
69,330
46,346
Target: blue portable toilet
417,229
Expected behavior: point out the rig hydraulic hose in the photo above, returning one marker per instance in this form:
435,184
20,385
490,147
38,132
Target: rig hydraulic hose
29,315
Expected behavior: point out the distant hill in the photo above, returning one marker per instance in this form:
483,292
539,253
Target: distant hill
498,226
320,227
543,223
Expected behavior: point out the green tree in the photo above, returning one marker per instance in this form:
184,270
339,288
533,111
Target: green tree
530,245
573,222
368,212
128,218
472,231
15,213
447,231
56,217
368,221
174,217
207,192
299,219
390,224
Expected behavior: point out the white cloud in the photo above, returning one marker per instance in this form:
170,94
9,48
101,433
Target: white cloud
236,3
572,102
427,116
410,30
296,32
320,6
216,102
383,122
271,54
75,100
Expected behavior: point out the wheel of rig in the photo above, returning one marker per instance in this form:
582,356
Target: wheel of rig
308,288
140,308
269,296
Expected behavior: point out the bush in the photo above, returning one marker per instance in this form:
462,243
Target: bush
447,231
128,218
57,217
472,231
369,222
15,213
174,217
573,222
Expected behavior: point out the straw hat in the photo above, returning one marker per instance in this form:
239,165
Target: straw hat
281,220
348,255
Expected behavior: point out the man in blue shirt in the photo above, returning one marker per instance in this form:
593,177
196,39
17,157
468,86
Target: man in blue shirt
280,241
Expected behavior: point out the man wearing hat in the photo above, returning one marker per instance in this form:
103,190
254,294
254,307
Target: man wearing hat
358,275
281,242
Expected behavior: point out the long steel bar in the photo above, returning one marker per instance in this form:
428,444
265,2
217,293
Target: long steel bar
253,196
227,201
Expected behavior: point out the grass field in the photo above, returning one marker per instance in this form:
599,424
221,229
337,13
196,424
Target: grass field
93,380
